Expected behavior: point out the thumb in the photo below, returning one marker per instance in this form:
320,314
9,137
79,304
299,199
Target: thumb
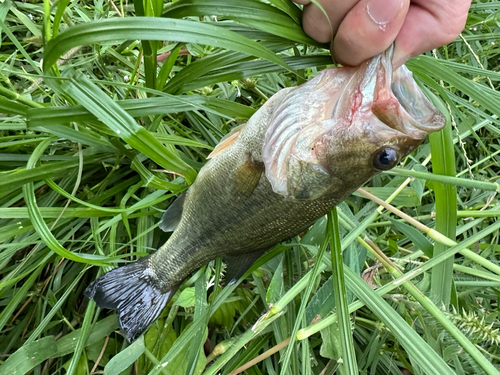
368,29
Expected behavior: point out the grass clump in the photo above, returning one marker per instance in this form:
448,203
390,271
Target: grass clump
109,111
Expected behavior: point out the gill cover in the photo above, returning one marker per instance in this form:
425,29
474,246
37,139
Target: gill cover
291,140
336,101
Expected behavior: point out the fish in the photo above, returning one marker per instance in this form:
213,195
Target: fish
304,151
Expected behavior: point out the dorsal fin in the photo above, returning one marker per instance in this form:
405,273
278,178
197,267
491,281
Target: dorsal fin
172,216
226,141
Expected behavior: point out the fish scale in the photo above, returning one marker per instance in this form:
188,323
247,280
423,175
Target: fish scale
299,155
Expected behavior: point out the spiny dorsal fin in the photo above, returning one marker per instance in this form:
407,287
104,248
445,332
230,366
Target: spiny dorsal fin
247,177
238,265
226,141
172,216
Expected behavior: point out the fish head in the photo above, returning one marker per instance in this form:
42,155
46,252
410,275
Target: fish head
359,121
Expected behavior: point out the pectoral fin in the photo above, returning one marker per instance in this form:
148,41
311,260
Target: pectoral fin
238,265
247,177
172,216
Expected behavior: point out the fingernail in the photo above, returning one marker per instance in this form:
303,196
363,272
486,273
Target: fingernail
400,56
383,11
401,61
331,53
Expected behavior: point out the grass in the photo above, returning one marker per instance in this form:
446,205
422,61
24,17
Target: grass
96,141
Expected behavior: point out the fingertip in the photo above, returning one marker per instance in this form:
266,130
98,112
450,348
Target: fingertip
368,29
425,29
316,24
321,26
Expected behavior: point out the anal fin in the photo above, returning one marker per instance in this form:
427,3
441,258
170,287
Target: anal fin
172,216
238,265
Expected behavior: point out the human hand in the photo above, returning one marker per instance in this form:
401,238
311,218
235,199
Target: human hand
365,28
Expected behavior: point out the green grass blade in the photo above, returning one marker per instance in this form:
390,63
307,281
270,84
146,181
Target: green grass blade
20,48
8,106
444,179
61,8
196,345
82,339
85,138
101,329
251,13
46,117
105,109
289,8
17,177
242,70
200,67
40,225
485,96
426,358
349,362
285,368
29,356
151,28
8,310
55,309
125,358
167,66
443,163
184,340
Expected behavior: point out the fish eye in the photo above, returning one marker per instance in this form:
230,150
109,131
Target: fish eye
385,159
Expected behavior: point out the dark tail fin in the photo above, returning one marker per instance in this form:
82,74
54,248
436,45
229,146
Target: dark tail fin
132,292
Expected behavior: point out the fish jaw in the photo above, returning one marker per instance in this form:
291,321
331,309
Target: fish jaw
386,99
389,111
351,116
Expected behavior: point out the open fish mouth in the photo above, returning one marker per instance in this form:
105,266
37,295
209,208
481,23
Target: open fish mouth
400,103
419,110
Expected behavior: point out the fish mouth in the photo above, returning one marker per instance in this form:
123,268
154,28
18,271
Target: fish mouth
400,103
417,108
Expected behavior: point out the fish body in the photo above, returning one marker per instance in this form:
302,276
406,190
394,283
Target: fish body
298,156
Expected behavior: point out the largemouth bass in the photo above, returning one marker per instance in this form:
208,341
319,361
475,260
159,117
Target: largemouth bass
299,155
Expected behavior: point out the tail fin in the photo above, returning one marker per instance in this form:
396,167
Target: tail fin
131,291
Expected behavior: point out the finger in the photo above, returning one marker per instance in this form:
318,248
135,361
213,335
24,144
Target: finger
316,24
436,23
368,29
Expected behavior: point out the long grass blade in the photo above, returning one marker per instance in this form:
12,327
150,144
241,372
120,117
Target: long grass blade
252,13
425,357
125,127
443,163
349,362
151,28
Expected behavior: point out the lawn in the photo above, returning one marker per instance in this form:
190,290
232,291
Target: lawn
108,110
